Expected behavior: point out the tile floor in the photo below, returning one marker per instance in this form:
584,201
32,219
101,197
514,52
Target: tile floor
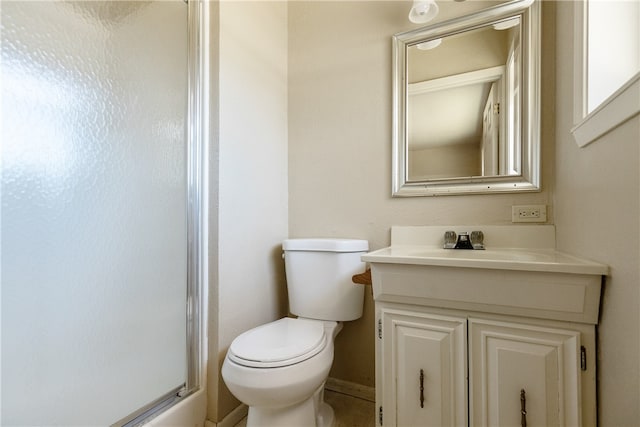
349,411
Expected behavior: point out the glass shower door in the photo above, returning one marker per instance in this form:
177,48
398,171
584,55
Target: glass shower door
94,208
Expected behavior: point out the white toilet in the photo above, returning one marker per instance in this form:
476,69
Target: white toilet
279,369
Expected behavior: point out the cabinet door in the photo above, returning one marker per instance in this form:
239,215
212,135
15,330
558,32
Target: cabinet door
521,368
424,368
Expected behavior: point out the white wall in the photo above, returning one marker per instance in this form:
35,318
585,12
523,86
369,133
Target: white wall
340,144
598,216
250,177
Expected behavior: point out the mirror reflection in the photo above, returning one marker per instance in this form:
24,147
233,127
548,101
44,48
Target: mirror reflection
466,112
463,102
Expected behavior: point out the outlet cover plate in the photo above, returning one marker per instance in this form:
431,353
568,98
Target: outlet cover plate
529,213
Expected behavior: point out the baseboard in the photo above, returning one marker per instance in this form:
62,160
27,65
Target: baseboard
351,389
232,418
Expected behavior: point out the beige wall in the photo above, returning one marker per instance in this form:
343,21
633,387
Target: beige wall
248,178
338,89
459,54
340,144
445,161
597,196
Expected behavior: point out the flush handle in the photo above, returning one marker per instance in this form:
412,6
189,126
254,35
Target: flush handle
421,388
523,408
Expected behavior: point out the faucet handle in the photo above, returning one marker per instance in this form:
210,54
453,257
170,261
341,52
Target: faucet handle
477,239
449,239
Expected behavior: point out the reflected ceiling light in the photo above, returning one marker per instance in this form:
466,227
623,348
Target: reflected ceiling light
423,11
429,45
505,25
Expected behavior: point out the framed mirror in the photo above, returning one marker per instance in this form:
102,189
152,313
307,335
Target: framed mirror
466,112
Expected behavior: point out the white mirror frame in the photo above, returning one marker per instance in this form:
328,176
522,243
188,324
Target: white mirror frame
529,179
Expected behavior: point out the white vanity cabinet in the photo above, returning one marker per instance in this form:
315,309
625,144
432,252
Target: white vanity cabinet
499,337
423,367
525,374
451,368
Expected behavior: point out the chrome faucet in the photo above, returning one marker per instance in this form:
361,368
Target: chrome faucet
477,239
464,240
449,239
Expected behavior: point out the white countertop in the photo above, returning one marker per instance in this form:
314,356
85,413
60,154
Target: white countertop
548,260
534,252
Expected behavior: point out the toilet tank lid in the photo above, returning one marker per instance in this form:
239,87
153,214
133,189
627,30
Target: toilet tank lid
326,245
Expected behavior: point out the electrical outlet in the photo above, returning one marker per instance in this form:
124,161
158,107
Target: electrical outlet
529,213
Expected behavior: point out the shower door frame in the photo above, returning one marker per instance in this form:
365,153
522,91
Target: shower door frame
196,136
196,148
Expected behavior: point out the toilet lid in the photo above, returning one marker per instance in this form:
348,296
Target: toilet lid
281,343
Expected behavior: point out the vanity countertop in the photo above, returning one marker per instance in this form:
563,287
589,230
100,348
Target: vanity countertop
523,248
548,260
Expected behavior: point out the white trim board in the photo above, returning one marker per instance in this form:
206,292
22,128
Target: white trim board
615,110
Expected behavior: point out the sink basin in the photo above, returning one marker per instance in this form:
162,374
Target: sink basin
510,255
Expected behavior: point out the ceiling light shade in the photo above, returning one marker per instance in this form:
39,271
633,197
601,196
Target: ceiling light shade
423,11
431,44
504,25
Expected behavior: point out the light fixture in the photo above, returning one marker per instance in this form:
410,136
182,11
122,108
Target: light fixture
504,25
431,44
423,11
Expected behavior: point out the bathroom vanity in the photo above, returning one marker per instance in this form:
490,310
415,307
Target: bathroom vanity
502,336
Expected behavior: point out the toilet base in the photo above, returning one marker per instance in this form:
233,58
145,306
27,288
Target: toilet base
325,417
313,412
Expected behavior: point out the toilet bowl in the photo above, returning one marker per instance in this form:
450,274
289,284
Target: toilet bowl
279,370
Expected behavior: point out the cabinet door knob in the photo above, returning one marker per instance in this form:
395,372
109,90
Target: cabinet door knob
523,408
421,388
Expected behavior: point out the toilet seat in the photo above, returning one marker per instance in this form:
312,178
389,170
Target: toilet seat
281,343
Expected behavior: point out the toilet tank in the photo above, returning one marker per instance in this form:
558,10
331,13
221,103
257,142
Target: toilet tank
319,273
